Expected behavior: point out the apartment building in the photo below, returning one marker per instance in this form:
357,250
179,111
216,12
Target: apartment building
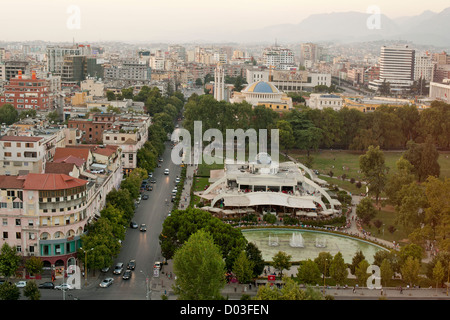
278,58
26,93
22,154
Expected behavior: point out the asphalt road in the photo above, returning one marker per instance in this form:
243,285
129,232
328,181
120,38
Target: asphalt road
141,246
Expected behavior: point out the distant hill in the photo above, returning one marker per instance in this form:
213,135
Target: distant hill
428,28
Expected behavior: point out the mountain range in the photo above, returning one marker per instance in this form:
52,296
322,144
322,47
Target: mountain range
428,28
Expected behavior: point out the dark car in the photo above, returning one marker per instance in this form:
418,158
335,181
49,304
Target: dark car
145,197
47,285
131,265
143,227
153,181
127,275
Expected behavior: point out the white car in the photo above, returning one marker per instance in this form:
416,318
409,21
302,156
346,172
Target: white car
166,172
21,284
106,282
64,286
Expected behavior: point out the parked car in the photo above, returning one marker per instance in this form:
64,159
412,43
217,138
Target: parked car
127,275
106,282
64,286
145,197
105,269
118,268
21,284
157,265
133,225
47,285
131,264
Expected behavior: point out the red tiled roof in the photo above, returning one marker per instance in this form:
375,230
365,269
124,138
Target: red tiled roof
59,167
70,159
11,182
51,181
82,153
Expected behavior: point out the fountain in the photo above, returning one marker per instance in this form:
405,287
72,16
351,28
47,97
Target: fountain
321,243
296,240
273,241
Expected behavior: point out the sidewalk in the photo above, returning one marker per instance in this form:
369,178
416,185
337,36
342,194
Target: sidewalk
163,285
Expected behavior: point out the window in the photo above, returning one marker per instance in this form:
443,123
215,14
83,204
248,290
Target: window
17,205
18,144
18,235
3,205
5,235
7,154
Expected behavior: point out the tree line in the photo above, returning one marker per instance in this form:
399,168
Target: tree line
390,127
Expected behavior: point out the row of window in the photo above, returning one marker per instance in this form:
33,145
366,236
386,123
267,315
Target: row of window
19,155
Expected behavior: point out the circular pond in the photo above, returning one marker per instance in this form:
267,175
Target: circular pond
307,244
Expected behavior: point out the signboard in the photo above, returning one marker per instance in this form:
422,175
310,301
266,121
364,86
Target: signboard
271,277
156,273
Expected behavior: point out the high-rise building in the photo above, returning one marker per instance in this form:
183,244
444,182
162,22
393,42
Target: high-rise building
396,67
278,58
424,67
309,54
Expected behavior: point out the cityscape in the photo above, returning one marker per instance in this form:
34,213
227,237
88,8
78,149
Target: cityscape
204,152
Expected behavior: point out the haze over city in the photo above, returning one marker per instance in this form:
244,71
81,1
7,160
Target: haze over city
175,20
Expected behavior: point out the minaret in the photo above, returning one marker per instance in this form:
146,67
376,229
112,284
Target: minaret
219,83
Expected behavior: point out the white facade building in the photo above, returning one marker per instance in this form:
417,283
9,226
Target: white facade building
396,67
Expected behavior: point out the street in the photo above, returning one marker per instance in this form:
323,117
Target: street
141,246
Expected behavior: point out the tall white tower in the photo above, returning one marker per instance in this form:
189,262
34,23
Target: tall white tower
219,83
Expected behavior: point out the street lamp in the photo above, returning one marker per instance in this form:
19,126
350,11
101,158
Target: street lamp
85,264
148,290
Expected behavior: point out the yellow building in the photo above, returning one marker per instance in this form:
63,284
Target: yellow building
371,104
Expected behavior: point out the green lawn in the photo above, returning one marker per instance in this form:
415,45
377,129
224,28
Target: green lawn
347,162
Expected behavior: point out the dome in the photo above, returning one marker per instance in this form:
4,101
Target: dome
261,87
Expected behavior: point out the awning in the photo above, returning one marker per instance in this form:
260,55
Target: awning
268,198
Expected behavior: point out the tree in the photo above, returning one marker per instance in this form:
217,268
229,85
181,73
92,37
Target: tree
357,258
372,165
110,95
9,291
243,268
437,214
361,272
385,88
199,268
438,273
386,271
424,158
289,291
365,210
255,256
410,270
308,272
281,261
270,218
396,181
411,205
286,135
338,269
8,114
323,260
34,265
9,260
31,291
53,116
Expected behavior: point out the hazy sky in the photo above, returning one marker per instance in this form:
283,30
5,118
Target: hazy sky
134,20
